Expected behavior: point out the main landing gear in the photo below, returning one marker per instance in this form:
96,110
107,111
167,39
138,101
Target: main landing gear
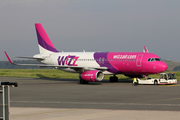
113,79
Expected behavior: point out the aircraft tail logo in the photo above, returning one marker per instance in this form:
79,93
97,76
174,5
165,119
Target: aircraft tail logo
45,44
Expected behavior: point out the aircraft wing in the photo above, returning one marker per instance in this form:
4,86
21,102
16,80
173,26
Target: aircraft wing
56,66
29,58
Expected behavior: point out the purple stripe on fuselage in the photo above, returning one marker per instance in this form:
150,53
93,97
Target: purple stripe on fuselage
101,59
44,44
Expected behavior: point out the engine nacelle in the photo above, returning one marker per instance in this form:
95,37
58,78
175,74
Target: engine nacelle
92,75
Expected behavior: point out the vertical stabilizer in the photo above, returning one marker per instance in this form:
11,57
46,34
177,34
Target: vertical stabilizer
45,44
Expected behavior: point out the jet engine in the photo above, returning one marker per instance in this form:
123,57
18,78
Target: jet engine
91,75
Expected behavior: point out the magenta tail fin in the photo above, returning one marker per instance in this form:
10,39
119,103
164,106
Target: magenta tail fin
45,44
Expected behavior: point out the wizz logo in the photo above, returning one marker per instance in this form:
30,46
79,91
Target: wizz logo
67,60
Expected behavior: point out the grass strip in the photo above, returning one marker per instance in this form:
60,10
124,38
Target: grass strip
54,73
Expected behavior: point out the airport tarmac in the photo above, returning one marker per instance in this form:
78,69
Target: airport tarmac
38,97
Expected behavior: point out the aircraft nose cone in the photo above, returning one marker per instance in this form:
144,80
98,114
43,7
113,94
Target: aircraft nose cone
161,67
164,67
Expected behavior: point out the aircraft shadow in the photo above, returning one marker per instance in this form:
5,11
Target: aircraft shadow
42,77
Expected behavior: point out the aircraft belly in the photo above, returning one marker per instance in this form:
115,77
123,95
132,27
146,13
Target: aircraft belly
67,70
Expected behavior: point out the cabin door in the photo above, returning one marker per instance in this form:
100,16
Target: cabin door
139,59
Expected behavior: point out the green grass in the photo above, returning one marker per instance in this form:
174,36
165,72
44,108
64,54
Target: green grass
53,73
36,73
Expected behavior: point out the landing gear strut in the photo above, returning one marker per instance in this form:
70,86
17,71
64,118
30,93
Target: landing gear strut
113,79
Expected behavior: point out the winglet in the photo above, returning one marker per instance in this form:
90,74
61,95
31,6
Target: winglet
8,57
145,49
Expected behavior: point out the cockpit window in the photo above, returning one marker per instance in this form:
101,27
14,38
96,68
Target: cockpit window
149,59
154,59
157,59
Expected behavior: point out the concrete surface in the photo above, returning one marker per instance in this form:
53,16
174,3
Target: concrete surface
19,113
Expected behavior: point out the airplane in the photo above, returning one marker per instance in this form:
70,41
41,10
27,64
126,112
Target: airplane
92,66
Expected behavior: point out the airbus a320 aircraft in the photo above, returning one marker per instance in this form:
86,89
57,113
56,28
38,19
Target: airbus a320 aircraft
92,66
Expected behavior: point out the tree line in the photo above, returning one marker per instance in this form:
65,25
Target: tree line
7,65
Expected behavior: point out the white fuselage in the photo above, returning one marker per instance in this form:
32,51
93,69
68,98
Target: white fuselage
85,59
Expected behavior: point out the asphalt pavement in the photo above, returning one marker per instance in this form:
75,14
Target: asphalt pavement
68,94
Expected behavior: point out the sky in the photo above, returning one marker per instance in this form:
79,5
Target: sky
92,25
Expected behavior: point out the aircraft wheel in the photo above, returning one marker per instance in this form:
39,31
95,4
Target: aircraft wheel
81,81
113,79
